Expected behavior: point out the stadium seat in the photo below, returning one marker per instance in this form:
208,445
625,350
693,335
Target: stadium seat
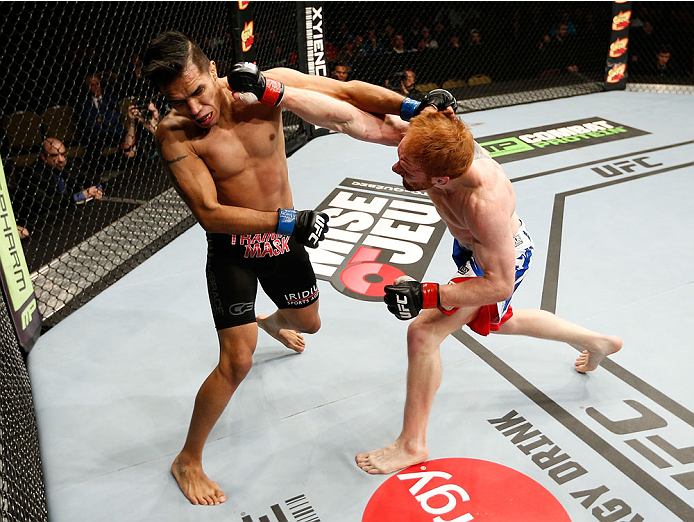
426,87
454,84
23,130
479,79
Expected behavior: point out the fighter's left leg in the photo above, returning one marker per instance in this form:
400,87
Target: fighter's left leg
285,325
291,284
546,325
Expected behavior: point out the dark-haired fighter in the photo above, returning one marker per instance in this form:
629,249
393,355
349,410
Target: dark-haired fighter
227,161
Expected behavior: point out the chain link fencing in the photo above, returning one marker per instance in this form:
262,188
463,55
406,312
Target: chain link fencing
661,48
22,493
495,54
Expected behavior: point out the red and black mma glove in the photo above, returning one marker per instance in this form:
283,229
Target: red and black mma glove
406,298
254,86
439,98
307,226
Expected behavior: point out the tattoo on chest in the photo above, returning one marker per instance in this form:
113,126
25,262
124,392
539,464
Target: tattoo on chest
166,164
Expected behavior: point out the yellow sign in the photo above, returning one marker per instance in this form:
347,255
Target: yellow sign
14,265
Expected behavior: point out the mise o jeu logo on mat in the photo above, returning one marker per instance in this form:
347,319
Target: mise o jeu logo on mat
462,490
558,137
378,232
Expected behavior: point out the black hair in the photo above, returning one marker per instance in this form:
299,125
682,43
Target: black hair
167,56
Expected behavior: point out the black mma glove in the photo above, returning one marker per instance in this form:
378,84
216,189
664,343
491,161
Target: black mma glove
307,226
439,98
253,86
406,298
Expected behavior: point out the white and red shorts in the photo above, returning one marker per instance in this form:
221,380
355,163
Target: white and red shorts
491,316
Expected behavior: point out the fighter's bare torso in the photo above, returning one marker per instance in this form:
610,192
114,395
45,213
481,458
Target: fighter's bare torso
244,152
483,183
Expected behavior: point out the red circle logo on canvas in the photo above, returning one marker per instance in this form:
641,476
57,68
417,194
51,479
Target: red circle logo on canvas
462,490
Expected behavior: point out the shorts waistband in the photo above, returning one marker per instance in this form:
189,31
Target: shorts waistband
522,240
244,239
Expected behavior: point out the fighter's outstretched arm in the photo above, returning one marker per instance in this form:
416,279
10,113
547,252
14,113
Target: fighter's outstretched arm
325,102
365,96
325,111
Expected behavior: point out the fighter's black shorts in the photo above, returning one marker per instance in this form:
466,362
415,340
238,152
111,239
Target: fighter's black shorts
235,264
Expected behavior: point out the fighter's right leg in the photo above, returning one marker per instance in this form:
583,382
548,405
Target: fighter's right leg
237,345
423,379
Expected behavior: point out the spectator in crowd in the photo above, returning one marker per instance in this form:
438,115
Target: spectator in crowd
331,51
344,35
347,54
414,34
559,53
564,18
372,45
451,16
359,46
660,65
47,185
148,116
440,34
388,35
476,59
102,119
404,82
341,71
426,41
398,44
475,40
642,45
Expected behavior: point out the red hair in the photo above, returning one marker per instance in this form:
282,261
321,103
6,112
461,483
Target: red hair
441,146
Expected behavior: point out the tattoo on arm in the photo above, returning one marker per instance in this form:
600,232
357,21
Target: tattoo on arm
166,164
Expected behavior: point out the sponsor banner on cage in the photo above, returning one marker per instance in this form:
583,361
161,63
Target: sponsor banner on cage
378,232
617,54
312,38
557,137
16,281
244,35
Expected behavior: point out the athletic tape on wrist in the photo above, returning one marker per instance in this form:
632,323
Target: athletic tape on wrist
407,108
287,219
430,295
274,91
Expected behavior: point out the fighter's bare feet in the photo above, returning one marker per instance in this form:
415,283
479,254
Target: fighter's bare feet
391,458
592,357
290,338
195,485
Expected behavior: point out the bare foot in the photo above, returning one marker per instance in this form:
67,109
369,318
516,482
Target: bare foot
391,458
195,485
592,357
290,338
